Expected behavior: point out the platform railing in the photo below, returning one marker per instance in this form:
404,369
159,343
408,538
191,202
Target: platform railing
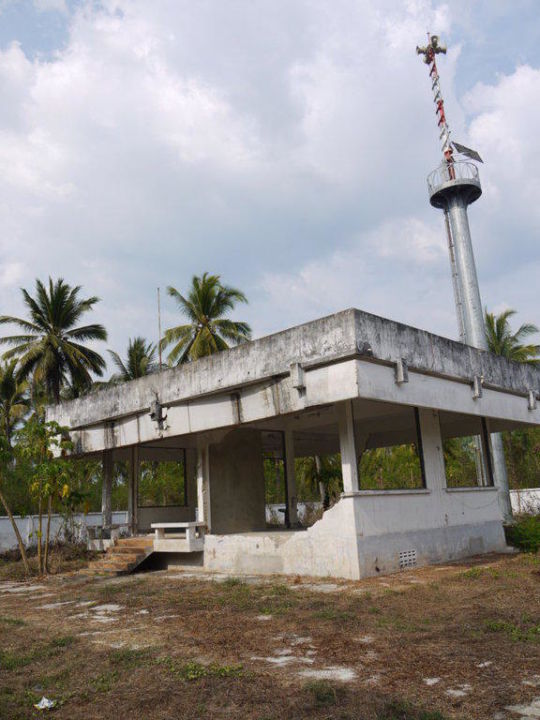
447,172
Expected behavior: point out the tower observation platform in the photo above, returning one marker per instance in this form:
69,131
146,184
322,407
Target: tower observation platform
458,178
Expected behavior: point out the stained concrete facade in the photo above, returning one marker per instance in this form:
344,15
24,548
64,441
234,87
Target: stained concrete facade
345,383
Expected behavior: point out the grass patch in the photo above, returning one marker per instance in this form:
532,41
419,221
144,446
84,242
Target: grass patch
473,573
515,632
233,582
104,682
322,691
130,658
17,622
62,641
192,670
399,710
12,661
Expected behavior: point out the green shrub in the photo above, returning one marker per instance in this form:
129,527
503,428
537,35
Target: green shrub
525,533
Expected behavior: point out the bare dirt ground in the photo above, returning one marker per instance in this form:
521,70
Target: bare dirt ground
453,641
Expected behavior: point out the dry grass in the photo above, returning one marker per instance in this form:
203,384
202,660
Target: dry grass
187,647
63,558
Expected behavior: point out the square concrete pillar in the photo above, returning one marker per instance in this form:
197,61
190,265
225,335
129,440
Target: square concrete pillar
237,491
291,519
347,445
133,490
431,447
203,485
106,489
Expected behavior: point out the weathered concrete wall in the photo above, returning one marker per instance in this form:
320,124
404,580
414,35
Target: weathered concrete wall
28,527
327,549
365,533
324,384
525,501
237,502
345,334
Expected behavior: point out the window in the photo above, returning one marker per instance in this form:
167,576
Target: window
467,458
162,484
393,458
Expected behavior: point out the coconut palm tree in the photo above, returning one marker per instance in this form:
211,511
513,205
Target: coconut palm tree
208,329
14,401
139,361
50,348
502,341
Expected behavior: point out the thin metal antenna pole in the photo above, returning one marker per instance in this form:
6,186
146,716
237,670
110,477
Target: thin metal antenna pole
159,326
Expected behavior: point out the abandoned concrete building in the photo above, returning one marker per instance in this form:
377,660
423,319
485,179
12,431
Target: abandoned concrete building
348,383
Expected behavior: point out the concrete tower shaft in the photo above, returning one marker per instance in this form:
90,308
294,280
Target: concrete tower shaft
452,188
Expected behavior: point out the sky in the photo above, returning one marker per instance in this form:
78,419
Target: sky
282,144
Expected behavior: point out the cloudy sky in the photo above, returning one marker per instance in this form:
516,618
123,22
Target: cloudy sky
283,144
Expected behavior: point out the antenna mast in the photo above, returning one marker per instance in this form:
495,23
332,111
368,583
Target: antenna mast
429,53
159,326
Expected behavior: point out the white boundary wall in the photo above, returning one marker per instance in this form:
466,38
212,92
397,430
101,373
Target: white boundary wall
28,526
525,501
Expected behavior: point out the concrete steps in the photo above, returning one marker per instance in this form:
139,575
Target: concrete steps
123,557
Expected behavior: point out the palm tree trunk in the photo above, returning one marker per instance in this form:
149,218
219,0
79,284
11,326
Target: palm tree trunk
40,533
20,543
48,535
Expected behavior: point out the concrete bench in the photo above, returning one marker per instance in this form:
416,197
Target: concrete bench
189,536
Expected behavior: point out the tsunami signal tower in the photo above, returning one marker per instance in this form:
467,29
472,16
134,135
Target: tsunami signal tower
453,186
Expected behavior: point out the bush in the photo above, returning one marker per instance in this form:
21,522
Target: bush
525,533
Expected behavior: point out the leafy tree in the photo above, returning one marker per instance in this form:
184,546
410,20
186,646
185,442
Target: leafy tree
14,401
139,361
6,463
43,444
319,478
208,329
502,341
50,348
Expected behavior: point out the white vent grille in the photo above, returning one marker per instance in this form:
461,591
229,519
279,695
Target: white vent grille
407,559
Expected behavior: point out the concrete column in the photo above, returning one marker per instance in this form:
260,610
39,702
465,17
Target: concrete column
290,475
203,486
106,489
191,478
347,445
432,450
133,489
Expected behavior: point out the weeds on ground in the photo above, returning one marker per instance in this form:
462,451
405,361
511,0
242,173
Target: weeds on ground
398,710
5,620
63,557
516,632
130,658
12,661
322,691
525,533
196,671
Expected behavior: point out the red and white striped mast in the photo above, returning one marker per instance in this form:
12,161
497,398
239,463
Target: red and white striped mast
429,52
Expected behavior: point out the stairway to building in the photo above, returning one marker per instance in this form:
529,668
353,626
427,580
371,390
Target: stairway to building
123,557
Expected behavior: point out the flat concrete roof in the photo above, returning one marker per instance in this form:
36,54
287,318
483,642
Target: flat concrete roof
346,334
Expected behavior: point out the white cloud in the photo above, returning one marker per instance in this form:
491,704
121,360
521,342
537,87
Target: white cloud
51,5
284,145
